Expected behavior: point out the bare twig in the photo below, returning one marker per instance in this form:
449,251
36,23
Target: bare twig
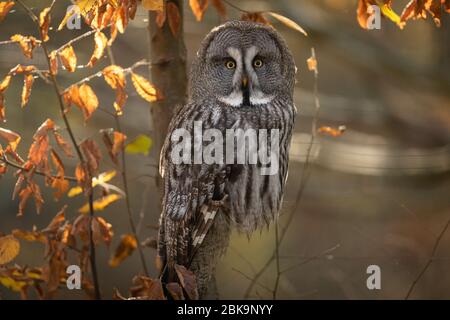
5,160
304,178
75,144
430,260
100,73
234,6
123,171
315,257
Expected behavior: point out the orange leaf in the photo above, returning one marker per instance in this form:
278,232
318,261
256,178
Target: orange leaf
27,44
11,137
5,6
144,88
26,90
114,76
174,18
198,8
125,248
102,231
312,63
57,221
44,23
119,141
332,131
153,5
24,195
89,101
60,184
67,149
5,83
9,249
100,45
19,69
53,62
68,58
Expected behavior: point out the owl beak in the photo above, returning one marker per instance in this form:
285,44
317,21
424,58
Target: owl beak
245,82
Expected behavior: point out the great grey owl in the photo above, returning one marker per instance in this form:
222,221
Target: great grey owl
242,78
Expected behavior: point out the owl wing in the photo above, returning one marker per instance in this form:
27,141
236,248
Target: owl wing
193,193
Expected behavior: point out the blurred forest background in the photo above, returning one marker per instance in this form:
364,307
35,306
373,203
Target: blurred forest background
378,194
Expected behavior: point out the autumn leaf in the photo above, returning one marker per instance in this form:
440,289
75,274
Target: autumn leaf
188,281
115,78
100,180
37,154
26,90
44,23
332,131
417,9
3,86
57,221
92,154
288,22
153,5
66,148
174,18
53,62
24,195
140,145
125,248
5,83
144,88
9,249
147,288
255,17
31,236
101,204
198,8
312,63
60,184
220,8
11,138
100,45
175,290
27,44
88,101
113,144
68,58
19,69
5,6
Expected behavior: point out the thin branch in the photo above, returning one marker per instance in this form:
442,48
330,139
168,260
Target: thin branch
304,178
18,166
235,6
100,73
75,144
250,278
430,260
123,171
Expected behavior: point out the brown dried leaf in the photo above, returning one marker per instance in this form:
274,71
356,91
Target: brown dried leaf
60,184
32,236
153,5
9,249
68,58
161,17
44,23
174,18
66,148
102,231
19,69
188,281
175,290
92,154
24,195
144,88
26,90
100,44
220,7
53,62
125,248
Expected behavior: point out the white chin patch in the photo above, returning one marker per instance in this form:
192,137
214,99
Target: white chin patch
234,99
258,97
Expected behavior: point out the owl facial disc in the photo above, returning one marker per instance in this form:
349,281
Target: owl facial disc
246,89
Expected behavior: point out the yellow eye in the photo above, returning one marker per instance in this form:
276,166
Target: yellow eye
230,64
257,63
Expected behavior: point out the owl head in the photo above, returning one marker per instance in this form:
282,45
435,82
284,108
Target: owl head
242,64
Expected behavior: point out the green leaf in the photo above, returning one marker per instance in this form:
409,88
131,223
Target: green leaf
142,144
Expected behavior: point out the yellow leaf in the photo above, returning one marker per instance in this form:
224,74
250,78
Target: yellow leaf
26,91
89,101
125,248
288,22
101,204
12,284
4,8
11,137
9,249
102,178
389,13
44,23
142,144
198,8
153,5
144,88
